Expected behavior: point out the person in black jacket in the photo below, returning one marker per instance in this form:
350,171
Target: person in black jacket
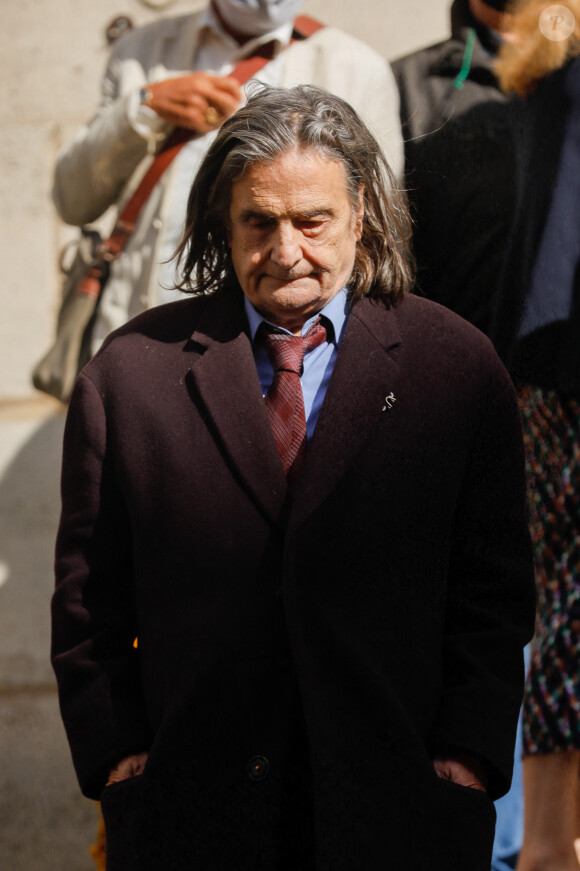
537,331
459,162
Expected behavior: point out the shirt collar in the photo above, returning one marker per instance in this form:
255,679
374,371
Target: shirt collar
209,22
335,311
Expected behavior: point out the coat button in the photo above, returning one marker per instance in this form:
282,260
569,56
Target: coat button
257,768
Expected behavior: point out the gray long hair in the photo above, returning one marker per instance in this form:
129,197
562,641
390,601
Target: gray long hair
275,120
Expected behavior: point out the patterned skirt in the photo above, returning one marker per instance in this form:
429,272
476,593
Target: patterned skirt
551,711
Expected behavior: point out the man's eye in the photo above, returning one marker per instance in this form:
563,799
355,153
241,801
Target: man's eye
312,224
261,223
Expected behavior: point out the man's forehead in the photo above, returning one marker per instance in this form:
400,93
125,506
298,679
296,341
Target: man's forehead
307,182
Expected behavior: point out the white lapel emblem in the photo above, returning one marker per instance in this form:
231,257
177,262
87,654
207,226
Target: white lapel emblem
389,401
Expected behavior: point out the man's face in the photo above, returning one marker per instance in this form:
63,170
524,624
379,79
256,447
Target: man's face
256,17
293,235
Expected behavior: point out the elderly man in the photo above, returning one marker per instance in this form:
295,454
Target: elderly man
176,72
302,491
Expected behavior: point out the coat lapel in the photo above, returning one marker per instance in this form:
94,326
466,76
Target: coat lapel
364,374
226,380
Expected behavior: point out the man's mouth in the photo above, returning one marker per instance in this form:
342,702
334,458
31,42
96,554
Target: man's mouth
288,277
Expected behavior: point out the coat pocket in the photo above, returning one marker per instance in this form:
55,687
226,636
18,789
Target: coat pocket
122,805
461,825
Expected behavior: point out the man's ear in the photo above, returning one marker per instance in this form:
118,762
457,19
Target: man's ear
359,213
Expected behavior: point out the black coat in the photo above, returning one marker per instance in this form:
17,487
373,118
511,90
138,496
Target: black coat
459,169
549,355
297,667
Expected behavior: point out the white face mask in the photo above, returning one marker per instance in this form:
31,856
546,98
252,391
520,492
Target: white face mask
256,17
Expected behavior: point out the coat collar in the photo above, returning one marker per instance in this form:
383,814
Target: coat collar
226,379
365,373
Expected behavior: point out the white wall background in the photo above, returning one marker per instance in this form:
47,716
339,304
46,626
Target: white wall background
52,53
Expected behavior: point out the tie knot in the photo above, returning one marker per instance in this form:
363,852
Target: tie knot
287,352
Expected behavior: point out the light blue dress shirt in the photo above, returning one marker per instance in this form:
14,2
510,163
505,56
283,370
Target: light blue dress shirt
318,363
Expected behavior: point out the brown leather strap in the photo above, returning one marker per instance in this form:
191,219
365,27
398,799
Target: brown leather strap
304,26
249,66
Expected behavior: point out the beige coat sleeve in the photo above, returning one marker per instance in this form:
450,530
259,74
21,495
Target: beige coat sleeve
92,172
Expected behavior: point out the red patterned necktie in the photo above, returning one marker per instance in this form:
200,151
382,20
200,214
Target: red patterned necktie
284,400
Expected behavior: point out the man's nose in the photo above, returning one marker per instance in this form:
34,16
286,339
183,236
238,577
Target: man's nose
286,247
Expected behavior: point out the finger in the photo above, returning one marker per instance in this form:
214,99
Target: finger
138,763
213,116
226,106
227,84
197,113
116,776
457,773
472,783
192,117
131,766
225,103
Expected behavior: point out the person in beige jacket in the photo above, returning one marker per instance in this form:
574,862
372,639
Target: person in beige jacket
175,72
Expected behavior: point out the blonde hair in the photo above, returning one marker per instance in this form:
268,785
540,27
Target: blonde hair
528,56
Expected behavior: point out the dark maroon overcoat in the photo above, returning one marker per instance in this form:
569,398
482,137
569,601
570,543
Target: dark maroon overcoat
297,665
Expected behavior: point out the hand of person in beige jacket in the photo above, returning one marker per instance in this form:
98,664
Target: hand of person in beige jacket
199,101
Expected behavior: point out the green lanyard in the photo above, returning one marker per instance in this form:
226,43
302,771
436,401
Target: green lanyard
467,55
